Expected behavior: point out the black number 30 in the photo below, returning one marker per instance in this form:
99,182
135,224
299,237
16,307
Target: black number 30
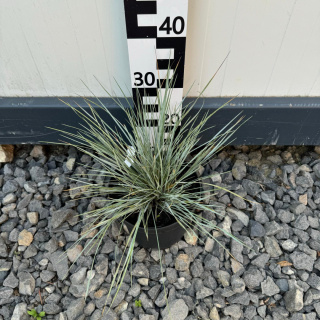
177,28
149,79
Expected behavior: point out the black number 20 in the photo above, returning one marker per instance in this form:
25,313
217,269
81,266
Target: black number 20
166,26
149,79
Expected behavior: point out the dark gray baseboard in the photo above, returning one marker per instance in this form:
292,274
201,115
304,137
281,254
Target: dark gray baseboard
273,121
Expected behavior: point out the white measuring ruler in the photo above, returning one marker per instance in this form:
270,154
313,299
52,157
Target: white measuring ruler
156,33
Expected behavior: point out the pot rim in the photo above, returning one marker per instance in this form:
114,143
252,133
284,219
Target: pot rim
153,228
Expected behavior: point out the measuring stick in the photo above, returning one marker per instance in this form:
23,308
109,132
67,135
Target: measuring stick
156,33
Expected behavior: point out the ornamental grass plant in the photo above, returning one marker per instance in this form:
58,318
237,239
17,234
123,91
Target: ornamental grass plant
150,174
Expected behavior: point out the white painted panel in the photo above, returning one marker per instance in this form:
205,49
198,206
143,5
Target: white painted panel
48,47
273,46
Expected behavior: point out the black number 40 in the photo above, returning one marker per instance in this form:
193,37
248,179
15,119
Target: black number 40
176,28
148,79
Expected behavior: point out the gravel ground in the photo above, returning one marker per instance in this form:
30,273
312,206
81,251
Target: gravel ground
278,279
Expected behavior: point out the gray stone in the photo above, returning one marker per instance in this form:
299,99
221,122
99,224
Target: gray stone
9,210
176,309
301,222
47,275
79,276
236,250
237,214
209,245
272,247
215,177
234,311
52,245
70,235
75,309
30,187
3,249
20,312
171,275
297,208
9,198
262,311
272,228
196,268
250,312
203,293
134,290
59,262
269,288
37,174
214,163
302,261
316,169
60,216
260,215
35,205
224,278
239,170
140,255
5,267
108,314
314,281
51,308
251,187
30,252
256,229
211,263
268,197
24,202
261,260
305,180
239,203
154,272
276,159
147,317
26,283
252,278
140,271
238,284
288,245
302,235
9,225
54,298
108,246
294,300
317,308
285,216
102,266
283,284
10,186
154,291
145,301
6,293
11,281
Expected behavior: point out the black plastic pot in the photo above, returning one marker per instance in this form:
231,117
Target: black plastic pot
167,236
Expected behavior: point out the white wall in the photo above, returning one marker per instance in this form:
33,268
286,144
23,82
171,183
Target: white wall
48,47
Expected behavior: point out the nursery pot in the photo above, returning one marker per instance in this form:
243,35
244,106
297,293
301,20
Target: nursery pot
167,236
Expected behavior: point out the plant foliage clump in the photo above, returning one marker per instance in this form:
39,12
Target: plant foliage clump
151,170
